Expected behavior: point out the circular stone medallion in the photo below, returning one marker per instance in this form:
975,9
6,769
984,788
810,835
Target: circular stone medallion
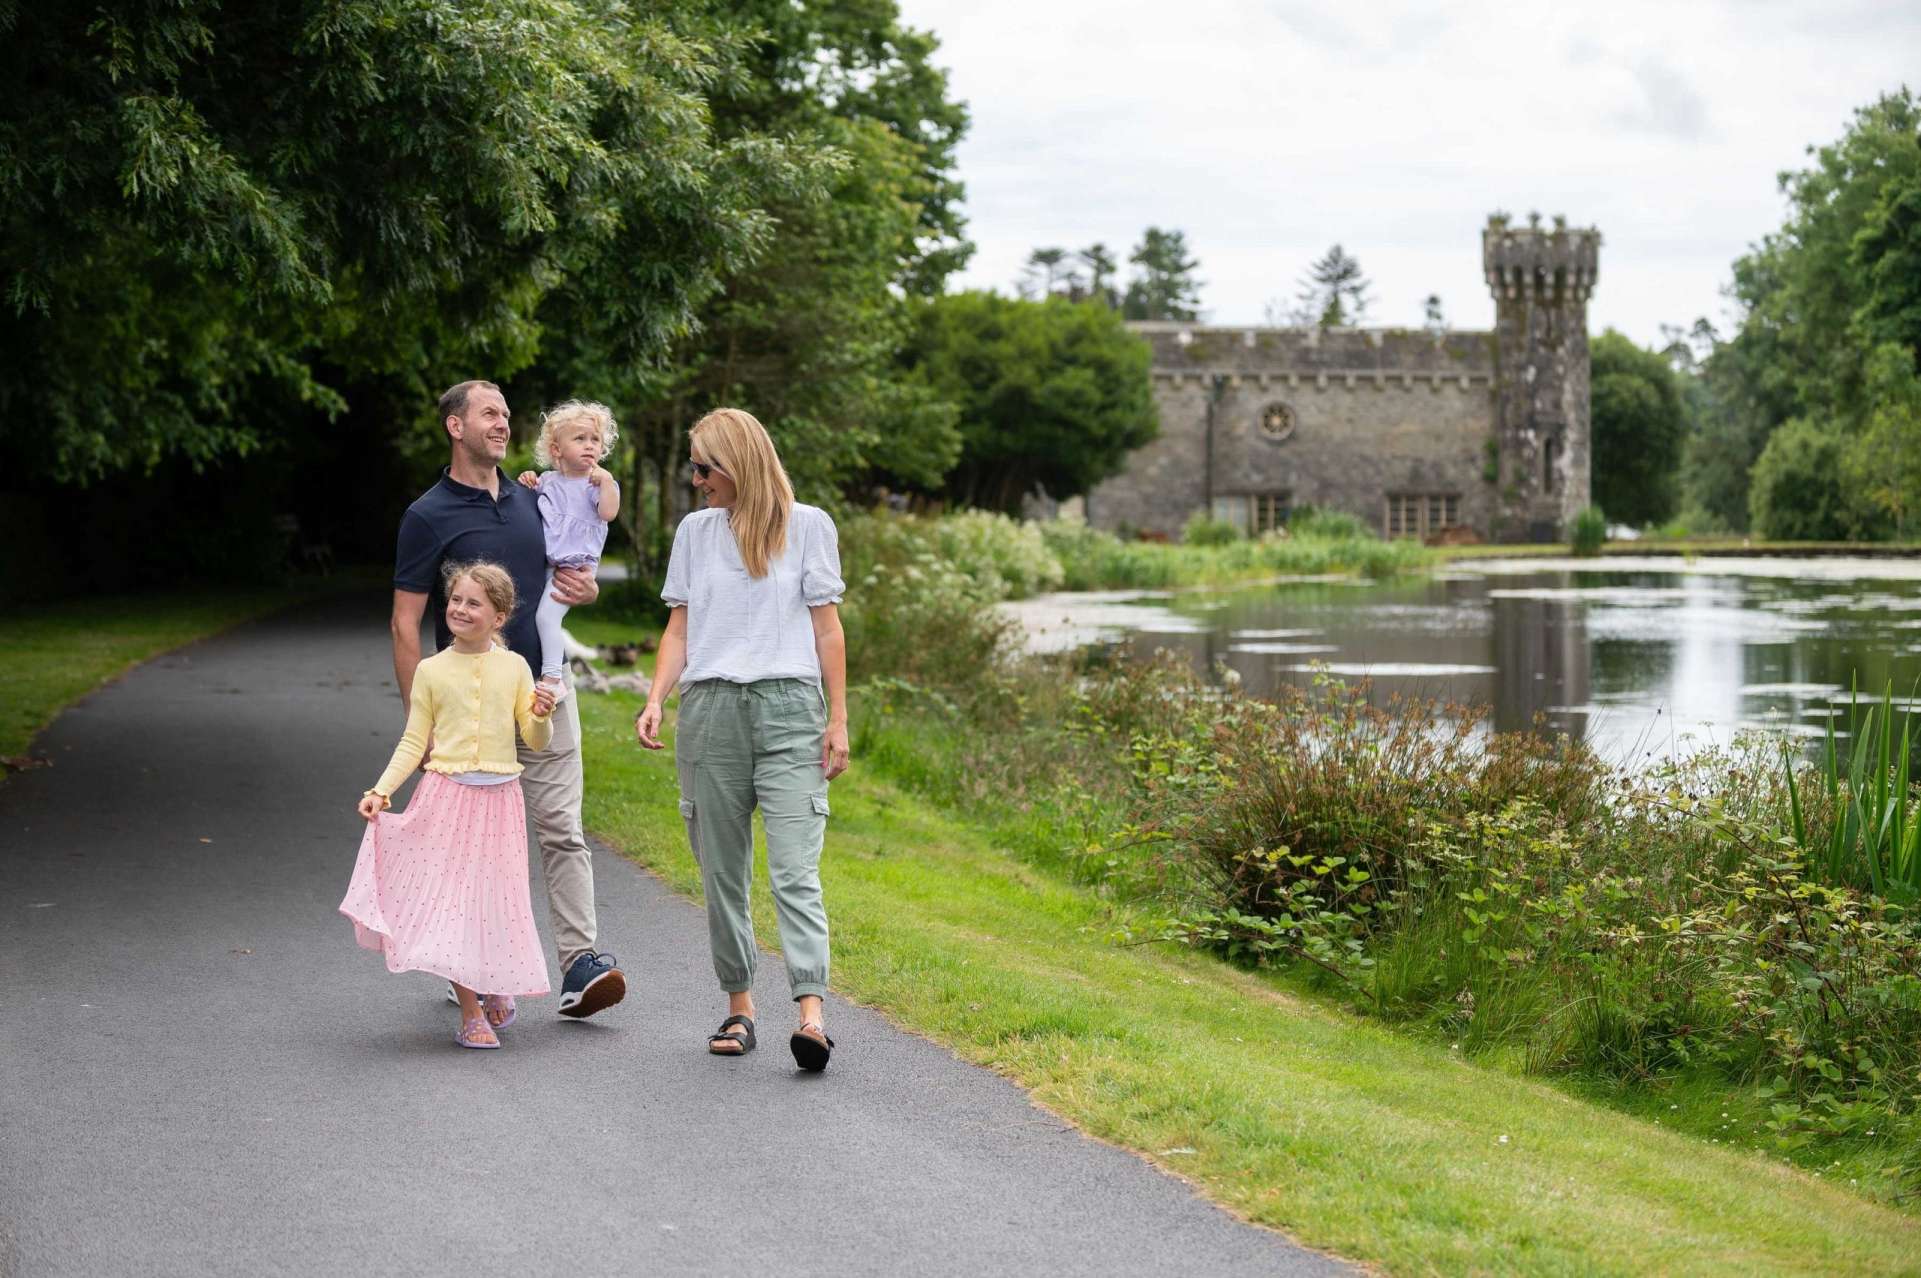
1277,422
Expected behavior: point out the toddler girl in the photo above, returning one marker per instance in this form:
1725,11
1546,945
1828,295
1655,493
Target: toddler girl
442,887
578,499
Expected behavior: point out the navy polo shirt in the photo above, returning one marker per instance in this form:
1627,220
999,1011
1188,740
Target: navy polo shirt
451,521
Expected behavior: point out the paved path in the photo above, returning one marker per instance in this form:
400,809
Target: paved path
201,1074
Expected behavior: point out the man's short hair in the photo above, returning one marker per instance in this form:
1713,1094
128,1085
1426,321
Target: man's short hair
453,401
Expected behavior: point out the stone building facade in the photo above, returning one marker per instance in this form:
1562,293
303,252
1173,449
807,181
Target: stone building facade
1413,431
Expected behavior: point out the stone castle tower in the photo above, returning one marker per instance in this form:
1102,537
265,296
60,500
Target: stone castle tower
1543,442
1419,433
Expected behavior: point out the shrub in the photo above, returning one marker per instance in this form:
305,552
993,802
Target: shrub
1590,531
1337,525
1796,491
1202,530
914,611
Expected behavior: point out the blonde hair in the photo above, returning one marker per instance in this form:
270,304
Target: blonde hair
490,577
731,440
599,416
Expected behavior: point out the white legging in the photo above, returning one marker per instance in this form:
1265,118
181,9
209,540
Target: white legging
549,617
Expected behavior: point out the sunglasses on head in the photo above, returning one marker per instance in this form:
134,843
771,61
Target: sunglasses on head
703,469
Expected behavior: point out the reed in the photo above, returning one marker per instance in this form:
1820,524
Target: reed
1867,834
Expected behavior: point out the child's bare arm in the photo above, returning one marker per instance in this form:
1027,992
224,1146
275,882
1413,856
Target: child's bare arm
609,493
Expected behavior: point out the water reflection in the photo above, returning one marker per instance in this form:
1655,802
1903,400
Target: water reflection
1643,664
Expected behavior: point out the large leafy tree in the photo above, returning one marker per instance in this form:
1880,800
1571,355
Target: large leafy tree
808,336
1640,425
1053,395
221,222
1816,299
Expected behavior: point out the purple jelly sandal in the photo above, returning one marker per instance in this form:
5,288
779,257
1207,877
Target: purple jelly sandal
500,1009
475,1032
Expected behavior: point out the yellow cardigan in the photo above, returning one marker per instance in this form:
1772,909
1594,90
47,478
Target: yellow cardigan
469,704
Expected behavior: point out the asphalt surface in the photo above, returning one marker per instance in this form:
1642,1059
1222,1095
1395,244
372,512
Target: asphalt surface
200,1073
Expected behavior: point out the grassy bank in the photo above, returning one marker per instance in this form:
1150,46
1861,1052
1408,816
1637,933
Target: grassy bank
1285,1108
1004,558
53,654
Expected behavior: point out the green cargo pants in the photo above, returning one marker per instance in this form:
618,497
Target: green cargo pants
738,746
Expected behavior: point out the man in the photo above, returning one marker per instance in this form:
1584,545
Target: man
475,512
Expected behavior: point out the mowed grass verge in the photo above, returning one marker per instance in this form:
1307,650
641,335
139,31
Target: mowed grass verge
53,654
1292,1113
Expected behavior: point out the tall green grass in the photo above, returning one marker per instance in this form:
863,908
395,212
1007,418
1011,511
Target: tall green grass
1866,832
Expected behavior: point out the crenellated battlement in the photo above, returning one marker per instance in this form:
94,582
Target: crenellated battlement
1559,263
1417,431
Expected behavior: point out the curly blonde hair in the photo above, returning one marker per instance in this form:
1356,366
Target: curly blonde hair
493,580
568,413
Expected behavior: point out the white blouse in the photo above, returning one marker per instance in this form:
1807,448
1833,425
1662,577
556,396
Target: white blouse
744,629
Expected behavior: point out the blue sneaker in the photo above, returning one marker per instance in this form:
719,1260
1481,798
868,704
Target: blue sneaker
592,984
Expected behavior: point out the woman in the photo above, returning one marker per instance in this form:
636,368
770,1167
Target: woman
754,643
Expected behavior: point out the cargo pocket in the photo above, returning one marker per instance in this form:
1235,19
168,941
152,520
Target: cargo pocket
693,828
820,803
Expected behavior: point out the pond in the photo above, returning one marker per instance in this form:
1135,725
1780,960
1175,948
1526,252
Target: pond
1645,658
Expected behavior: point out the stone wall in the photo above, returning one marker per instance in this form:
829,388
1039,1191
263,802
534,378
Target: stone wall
1339,419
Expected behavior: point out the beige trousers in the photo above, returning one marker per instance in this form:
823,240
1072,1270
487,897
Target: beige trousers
551,780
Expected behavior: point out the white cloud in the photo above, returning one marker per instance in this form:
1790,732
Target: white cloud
1269,130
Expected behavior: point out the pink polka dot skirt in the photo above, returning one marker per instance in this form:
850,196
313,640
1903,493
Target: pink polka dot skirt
442,888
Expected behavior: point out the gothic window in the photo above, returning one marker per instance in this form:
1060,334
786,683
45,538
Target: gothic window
1550,459
1421,514
1277,422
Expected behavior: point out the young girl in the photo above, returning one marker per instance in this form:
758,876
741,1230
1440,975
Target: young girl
578,499
442,887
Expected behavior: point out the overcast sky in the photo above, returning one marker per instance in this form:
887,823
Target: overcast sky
1268,130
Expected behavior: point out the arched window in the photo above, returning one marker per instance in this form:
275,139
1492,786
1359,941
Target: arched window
1550,472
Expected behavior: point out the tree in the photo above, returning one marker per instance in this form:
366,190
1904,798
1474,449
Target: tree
223,223
807,337
1885,461
1163,287
1042,269
1797,492
1815,300
1333,294
1100,266
1052,395
1640,425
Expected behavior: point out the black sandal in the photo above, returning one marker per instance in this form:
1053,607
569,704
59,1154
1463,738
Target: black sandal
744,1036
811,1051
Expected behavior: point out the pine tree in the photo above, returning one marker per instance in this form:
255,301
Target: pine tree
1164,287
1334,292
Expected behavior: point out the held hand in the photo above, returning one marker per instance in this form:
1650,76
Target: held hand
370,806
834,751
528,479
647,726
543,701
598,476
